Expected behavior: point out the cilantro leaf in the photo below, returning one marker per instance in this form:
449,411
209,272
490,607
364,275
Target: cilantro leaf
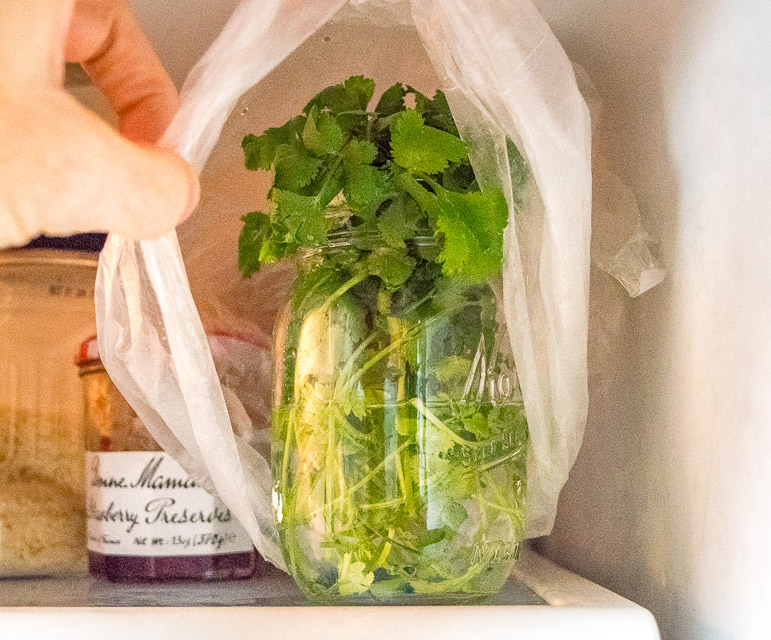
472,225
353,95
452,368
436,112
398,222
322,135
294,167
253,236
355,580
459,177
364,185
301,217
273,250
392,100
359,152
422,149
453,515
519,172
260,151
391,266
476,424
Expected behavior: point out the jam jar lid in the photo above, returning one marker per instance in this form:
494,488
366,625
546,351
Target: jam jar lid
219,343
88,352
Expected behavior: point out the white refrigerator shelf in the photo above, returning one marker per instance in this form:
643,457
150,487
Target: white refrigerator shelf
541,602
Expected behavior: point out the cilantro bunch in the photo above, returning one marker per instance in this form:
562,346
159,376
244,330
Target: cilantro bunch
384,175
399,436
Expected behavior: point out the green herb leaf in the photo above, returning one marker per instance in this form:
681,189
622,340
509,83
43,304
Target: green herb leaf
391,266
359,152
459,177
295,168
472,225
273,250
364,185
259,151
322,135
430,536
253,235
453,515
422,149
355,580
519,172
452,369
362,88
398,222
392,100
301,217
353,95
436,112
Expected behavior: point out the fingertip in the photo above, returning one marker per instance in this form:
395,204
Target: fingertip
180,184
194,193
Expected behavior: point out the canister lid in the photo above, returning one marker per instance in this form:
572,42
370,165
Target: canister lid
88,352
48,258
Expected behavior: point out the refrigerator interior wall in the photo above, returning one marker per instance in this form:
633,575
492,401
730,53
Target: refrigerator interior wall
667,502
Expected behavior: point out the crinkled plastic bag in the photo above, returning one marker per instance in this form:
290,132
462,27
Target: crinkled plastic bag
506,77
620,244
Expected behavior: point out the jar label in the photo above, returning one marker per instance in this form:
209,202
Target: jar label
142,503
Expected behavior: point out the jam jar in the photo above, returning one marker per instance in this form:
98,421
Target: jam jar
146,519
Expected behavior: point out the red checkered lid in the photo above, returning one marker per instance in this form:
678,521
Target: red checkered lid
88,352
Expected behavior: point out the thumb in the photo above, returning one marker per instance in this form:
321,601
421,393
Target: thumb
64,171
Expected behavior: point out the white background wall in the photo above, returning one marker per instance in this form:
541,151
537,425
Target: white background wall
669,501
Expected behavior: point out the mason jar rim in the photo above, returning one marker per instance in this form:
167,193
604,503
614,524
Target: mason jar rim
341,239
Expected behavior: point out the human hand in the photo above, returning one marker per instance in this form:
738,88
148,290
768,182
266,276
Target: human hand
62,169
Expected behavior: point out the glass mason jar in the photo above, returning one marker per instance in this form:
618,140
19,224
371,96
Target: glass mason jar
399,435
46,309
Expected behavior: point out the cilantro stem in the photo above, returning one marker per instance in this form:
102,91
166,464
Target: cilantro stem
497,463
382,505
289,507
446,586
346,385
433,183
382,553
363,482
323,198
390,538
431,417
345,565
425,199
499,495
500,507
329,471
340,291
416,305
348,367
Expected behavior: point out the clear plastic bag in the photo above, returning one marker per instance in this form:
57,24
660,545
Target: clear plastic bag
621,246
506,76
